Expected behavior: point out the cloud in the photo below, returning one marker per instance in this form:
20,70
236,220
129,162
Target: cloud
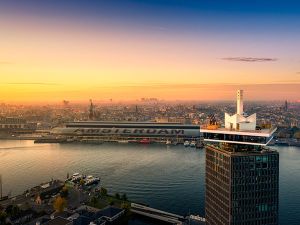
38,83
249,59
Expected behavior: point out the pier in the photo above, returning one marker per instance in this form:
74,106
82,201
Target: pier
157,214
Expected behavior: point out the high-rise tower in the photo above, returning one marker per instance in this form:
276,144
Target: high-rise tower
242,175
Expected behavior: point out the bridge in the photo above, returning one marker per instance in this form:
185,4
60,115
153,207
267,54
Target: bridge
157,214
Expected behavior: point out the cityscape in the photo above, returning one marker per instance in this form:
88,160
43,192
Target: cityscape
150,112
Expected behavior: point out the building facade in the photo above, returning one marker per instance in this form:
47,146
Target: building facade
11,124
241,187
129,130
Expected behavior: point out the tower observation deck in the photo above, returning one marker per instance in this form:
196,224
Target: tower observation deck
242,174
239,129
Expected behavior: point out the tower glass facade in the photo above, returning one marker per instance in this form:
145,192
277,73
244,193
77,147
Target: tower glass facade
241,186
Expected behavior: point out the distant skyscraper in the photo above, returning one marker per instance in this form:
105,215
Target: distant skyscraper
91,111
242,175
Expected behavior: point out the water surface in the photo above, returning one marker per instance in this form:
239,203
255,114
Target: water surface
166,177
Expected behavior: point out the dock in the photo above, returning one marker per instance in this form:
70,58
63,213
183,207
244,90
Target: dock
157,214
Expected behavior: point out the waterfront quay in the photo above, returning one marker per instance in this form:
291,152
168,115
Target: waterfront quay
42,191
97,132
80,202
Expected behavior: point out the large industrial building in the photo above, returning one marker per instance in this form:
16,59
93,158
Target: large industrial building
242,174
129,130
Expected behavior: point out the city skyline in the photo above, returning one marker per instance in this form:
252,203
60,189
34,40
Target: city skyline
125,50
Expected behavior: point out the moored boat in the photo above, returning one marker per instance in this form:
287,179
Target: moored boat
123,141
186,144
168,142
76,177
91,141
90,180
193,144
145,141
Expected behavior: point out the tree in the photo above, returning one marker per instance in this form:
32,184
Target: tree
124,197
64,192
81,182
94,201
125,206
103,191
12,210
297,135
8,209
111,202
59,204
3,216
117,196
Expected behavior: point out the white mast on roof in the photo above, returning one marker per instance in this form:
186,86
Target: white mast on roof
239,102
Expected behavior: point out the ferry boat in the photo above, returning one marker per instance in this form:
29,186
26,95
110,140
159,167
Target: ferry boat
186,144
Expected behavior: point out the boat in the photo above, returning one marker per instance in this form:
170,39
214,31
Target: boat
70,140
168,142
90,180
193,144
145,141
123,141
50,140
186,144
76,177
91,141
197,218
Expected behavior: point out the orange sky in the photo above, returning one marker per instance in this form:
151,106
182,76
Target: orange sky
46,60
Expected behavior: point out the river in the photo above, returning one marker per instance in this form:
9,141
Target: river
170,178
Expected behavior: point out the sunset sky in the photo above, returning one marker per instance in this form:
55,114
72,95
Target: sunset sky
168,49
